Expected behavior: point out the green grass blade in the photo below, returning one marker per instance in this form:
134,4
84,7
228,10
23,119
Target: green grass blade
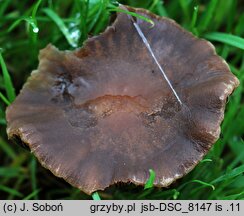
150,181
206,20
160,9
33,22
71,39
34,11
185,9
205,160
32,195
7,80
153,4
132,14
2,121
29,20
234,196
235,172
80,24
3,6
96,10
4,99
33,176
229,39
7,149
176,194
95,196
194,20
204,183
225,51
237,147
239,27
10,191
9,172
145,193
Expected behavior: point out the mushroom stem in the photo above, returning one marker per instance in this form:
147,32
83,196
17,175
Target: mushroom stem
145,41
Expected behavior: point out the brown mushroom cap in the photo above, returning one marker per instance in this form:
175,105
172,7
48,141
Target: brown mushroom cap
104,113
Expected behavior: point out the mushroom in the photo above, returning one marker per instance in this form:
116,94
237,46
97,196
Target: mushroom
104,113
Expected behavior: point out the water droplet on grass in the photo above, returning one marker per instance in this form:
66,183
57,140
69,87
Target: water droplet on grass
35,30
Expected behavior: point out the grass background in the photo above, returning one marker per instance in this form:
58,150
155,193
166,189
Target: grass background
27,26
